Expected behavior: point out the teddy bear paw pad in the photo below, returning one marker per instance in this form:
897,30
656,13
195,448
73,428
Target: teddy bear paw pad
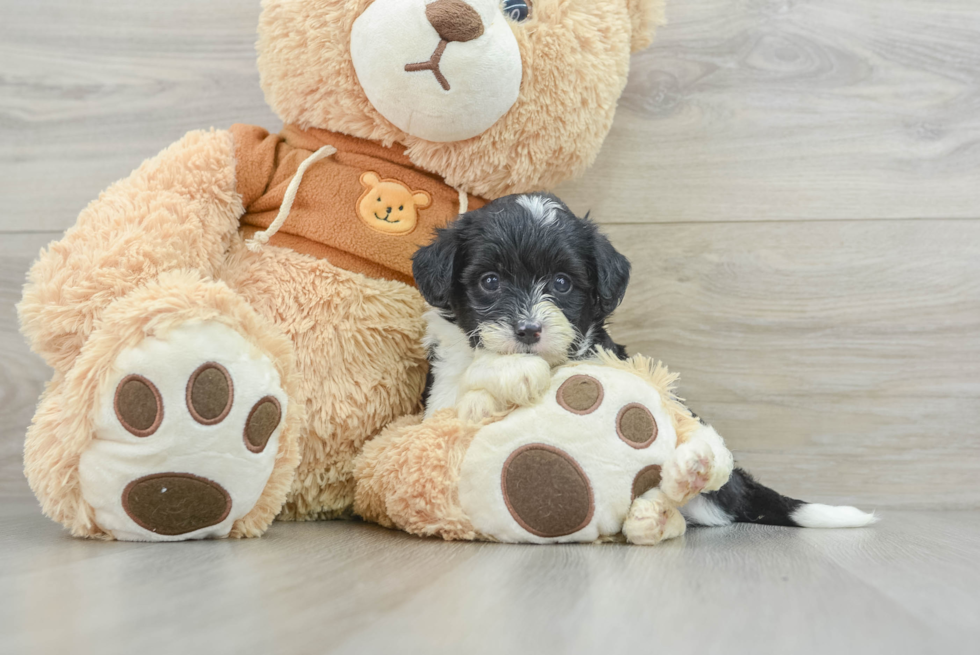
569,467
187,439
546,491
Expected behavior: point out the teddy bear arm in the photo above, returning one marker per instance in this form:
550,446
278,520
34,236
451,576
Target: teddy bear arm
178,210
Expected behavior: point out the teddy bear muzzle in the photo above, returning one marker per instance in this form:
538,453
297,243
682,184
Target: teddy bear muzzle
424,66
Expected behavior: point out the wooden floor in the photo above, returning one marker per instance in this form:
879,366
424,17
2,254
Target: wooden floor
797,183
907,585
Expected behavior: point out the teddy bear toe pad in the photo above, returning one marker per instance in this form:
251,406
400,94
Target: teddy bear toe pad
568,468
172,504
546,491
186,438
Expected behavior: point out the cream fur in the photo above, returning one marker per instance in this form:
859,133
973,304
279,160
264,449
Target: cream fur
64,425
360,360
161,249
217,453
462,498
653,518
309,79
484,74
408,477
113,280
496,384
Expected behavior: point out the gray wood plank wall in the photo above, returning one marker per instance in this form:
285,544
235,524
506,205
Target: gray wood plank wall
797,183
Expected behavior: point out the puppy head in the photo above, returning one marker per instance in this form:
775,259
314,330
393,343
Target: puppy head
524,275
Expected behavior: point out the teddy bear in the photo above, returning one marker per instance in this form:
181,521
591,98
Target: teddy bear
229,325
607,452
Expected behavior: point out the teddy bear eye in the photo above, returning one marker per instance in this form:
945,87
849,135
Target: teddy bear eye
517,10
401,207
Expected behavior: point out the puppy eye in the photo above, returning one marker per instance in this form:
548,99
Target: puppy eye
401,208
562,283
517,10
490,282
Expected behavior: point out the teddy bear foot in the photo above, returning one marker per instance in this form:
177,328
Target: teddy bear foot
186,435
653,518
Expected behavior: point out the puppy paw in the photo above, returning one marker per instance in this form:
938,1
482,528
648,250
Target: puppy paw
509,380
652,519
528,381
688,472
477,405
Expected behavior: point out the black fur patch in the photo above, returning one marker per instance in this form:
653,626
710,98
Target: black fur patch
526,253
747,501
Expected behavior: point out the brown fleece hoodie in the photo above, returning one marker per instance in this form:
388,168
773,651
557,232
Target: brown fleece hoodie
366,209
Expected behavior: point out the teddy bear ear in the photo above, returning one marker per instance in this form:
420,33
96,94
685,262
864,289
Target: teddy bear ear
645,17
422,199
370,179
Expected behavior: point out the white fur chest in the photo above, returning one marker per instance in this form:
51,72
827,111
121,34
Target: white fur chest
452,356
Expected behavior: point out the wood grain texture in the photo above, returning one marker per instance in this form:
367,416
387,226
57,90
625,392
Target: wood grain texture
797,109
854,346
90,89
749,110
906,585
22,373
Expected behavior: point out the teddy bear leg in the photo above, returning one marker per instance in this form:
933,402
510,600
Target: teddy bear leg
176,422
178,210
653,518
408,477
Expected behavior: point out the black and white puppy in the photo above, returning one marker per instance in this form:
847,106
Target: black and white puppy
522,285
522,275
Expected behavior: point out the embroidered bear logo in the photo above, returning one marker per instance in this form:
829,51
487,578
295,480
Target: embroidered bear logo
389,206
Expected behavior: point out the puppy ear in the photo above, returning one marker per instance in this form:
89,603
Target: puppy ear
432,267
613,273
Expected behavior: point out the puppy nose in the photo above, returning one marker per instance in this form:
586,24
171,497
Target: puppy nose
454,20
528,332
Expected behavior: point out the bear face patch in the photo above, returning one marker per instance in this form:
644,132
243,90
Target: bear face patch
389,206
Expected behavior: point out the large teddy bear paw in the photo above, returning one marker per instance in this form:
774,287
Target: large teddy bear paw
570,467
186,435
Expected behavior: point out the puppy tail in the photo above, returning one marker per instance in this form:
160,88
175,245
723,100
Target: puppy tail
743,500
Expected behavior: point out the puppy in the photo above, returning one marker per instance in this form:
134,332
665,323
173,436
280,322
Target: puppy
522,285
516,287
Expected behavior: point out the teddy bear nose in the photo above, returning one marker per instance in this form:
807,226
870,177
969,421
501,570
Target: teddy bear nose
454,20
